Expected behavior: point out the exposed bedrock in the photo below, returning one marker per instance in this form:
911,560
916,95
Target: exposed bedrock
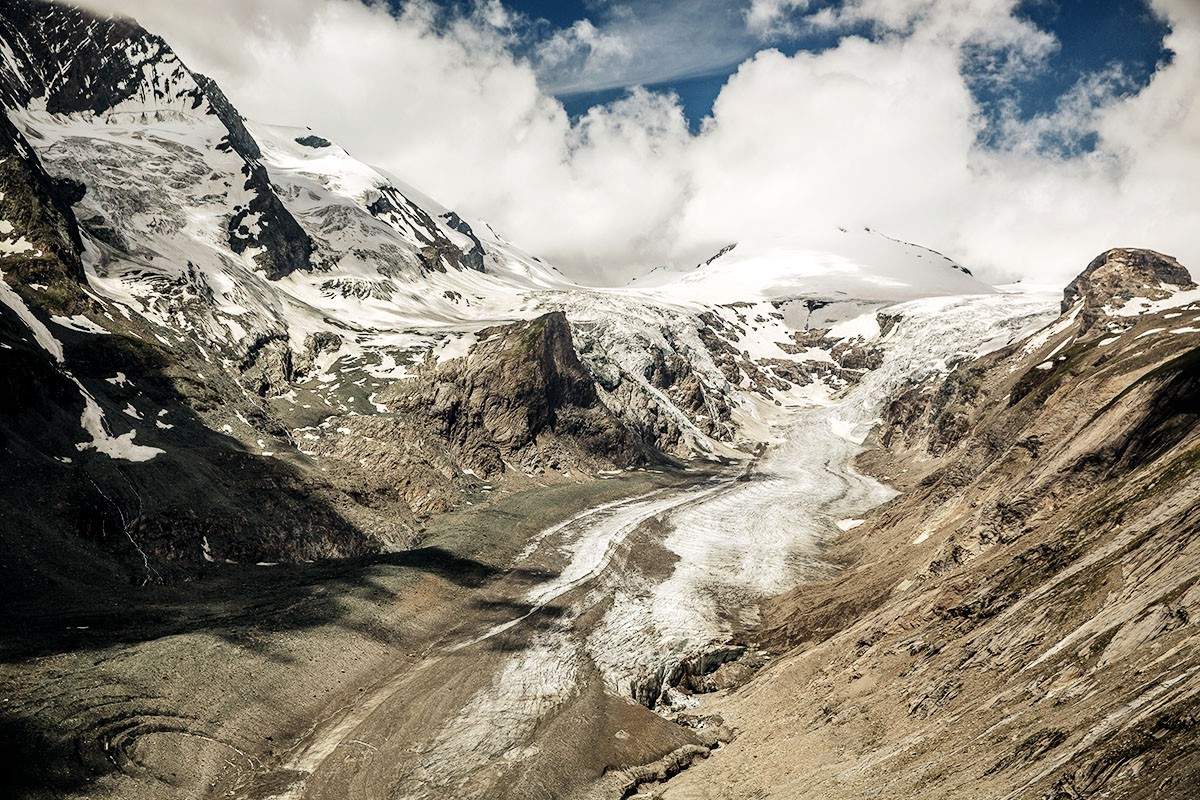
1118,275
692,674
520,397
1021,622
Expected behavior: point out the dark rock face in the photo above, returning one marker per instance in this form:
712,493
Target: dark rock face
315,344
313,141
858,356
81,63
521,396
665,398
937,412
437,251
267,368
286,247
473,258
694,674
39,209
240,139
83,515
723,251
1119,274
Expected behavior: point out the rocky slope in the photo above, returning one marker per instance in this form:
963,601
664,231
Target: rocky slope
1021,621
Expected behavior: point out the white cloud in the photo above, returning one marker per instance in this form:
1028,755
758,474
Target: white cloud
772,18
629,42
881,132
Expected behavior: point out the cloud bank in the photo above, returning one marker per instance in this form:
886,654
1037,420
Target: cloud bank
880,131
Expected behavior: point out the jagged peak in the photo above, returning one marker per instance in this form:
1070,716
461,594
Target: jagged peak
78,62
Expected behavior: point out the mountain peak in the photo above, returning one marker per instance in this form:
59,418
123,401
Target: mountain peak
81,63
1120,274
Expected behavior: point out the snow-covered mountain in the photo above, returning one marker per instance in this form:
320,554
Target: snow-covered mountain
834,264
200,285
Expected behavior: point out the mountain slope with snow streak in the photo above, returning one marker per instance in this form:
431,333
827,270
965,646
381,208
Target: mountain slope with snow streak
1020,620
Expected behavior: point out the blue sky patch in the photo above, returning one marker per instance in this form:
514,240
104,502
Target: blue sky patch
691,47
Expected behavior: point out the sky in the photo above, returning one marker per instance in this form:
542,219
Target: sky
1021,137
1091,35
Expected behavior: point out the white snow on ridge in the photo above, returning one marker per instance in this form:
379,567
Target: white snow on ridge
41,333
385,278
1141,305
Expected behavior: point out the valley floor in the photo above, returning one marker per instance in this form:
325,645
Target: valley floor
500,660
213,686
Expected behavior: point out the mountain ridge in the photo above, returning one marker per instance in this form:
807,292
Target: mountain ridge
314,487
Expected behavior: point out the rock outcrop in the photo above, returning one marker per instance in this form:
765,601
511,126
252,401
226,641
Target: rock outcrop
38,224
520,397
1118,275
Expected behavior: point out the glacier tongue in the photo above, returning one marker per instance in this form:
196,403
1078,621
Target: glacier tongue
650,590
756,537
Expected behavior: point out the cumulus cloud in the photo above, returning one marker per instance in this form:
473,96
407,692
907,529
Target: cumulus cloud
881,131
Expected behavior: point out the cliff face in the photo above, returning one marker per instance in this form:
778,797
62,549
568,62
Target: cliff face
520,396
1022,621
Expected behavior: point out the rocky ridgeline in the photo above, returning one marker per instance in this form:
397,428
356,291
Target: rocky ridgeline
179,404
520,404
848,359
216,474
521,397
1118,276
79,64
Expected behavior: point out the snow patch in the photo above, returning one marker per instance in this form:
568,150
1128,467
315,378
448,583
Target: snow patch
120,447
41,334
78,323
